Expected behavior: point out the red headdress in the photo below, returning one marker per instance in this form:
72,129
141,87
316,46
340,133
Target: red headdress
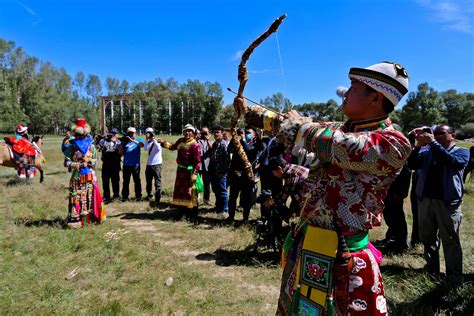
81,127
20,129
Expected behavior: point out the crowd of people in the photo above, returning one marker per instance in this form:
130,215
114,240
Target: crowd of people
342,178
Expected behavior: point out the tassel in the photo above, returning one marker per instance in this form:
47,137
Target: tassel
330,306
296,301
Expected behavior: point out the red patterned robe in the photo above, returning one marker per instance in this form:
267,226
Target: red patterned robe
345,190
188,160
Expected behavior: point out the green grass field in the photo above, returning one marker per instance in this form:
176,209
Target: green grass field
120,266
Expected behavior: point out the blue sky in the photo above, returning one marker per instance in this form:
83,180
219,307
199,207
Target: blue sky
319,41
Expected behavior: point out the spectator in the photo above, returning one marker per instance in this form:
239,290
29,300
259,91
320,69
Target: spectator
66,142
205,158
396,237
153,166
218,169
440,190
415,233
239,181
293,177
189,158
470,165
130,149
227,137
272,148
109,146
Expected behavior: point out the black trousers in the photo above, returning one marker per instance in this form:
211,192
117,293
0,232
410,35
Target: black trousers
415,232
110,173
241,184
206,179
153,172
269,182
395,220
129,171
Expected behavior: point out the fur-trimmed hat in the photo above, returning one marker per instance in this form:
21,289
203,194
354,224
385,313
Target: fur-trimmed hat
388,78
81,127
20,129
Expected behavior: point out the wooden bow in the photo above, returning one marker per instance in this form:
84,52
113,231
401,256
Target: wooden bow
243,78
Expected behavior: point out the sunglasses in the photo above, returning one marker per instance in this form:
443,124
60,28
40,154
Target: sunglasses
440,133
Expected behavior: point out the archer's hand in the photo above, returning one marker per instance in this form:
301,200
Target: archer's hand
240,105
292,114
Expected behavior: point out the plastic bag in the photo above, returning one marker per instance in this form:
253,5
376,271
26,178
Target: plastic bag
199,184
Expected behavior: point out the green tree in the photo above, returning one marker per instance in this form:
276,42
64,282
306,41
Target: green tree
277,102
459,110
112,85
78,85
424,107
320,111
93,89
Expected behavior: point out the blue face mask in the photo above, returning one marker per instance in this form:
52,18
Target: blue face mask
248,137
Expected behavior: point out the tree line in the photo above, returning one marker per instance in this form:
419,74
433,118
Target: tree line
47,99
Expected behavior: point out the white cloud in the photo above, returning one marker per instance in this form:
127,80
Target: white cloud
27,9
451,14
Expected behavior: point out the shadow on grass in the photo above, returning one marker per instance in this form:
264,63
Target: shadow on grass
247,257
53,172
174,215
57,222
14,181
440,299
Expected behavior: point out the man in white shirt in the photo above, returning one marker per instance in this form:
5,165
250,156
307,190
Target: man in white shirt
153,165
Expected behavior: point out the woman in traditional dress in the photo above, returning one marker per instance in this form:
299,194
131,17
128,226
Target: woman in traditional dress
85,201
189,159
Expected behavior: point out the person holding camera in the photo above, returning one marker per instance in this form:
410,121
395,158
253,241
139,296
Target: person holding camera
153,166
109,146
131,150
291,178
440,190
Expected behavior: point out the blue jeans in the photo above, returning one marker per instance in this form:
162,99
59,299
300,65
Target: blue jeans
219,186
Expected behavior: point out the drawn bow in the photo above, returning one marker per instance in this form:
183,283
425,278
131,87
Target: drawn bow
243,78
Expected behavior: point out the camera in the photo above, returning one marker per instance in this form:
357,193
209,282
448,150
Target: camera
427,130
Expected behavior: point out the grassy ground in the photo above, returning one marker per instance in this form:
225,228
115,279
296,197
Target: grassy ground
120,267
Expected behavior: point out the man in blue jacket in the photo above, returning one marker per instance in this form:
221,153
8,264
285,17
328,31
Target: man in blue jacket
440,190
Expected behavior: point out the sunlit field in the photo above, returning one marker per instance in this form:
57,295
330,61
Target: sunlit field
145,260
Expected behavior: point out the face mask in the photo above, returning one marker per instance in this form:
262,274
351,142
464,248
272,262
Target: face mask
248,137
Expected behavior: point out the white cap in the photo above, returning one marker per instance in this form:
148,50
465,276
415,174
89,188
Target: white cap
149,130
131,129
190,127
388,78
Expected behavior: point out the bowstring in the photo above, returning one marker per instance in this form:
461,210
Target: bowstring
281,63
